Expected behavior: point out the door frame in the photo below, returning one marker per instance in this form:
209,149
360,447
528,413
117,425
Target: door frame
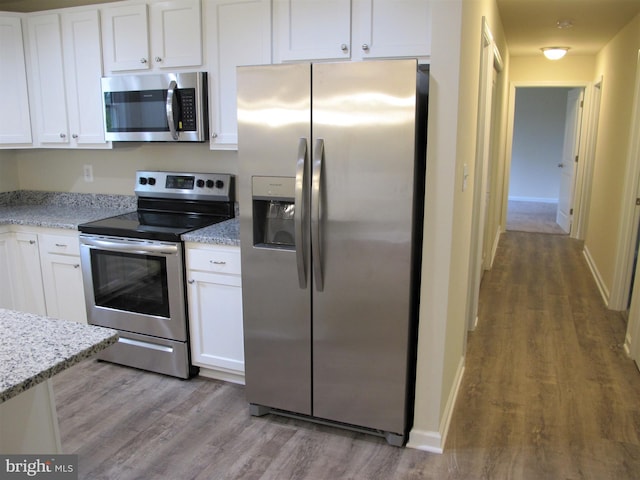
630,216
586,152
490,61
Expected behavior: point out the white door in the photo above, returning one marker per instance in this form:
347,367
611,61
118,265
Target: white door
572,128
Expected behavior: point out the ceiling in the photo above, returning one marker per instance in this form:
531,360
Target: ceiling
531,24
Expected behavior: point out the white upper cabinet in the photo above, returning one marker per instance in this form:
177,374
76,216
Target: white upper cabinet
174,28
48,93
125,38
237,32
356,29
66,66
83,69
391,28
15,129
311,29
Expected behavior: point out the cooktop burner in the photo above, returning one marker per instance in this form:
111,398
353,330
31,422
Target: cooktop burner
169,205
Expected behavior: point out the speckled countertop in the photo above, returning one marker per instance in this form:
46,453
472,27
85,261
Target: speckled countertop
35,348
223,233
60,210
68,210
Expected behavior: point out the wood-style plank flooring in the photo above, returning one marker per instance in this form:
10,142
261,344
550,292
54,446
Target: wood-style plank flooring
548,393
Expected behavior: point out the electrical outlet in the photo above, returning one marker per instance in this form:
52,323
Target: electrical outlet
88,173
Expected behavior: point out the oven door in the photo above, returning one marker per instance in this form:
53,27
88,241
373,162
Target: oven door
134,285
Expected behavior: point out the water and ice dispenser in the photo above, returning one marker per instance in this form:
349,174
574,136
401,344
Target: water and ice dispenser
273,212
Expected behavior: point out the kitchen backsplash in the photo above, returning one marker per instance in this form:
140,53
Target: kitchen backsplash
90,200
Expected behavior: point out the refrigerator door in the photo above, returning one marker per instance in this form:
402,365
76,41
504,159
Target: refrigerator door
274,113
363,172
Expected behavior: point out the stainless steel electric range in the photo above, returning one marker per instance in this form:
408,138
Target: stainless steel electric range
133,267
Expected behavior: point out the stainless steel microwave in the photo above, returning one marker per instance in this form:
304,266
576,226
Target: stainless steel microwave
170,107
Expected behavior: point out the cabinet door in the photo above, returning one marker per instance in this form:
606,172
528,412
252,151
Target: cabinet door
312,29
237,33
29,295
63,289
83,69
215,319
16,127
391,28
125,38
176,33
48,89
6,271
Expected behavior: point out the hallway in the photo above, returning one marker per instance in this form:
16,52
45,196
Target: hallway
548,391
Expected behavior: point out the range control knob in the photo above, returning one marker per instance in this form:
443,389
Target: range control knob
219,184
152,181
142,181
209,183
200,183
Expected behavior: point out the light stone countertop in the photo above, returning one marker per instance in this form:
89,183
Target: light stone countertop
223,233
35,348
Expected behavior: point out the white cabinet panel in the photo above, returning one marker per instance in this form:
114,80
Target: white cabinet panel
83,69
47,82
237,33
64,293
125,38
14,128
176,33
312,29
6,271
391,28
27,278
174,27
215,310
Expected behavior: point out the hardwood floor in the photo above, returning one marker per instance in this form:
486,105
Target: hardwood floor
548,393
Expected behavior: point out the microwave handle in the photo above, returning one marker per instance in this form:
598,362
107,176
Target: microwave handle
170,116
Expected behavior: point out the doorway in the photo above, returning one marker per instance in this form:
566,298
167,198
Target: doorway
547,125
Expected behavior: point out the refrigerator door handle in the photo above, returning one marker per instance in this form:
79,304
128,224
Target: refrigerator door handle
316,234
299,212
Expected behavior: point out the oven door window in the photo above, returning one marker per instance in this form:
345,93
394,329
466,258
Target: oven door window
130,282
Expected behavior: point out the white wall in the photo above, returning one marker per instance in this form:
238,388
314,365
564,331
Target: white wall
538,136
8,171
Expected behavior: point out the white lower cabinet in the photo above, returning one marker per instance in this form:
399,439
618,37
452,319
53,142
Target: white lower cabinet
40,273
27,275
6,287
215,311
62,277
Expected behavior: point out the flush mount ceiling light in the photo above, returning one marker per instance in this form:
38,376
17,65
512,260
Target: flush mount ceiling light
554,53
564,24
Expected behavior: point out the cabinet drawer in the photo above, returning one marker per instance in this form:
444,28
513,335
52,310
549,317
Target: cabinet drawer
214,260
61,244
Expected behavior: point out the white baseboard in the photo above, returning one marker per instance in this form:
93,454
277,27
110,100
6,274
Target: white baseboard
534,199
604,292
494,248
230,377
627,344
431,441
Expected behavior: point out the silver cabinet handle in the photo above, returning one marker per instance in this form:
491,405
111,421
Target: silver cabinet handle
299,216
143,60
63,135
158,59
365,47
214,135
61,245
344,48
191,282
74,135
217,262
561,165
32,242
316,210
77,265
173,86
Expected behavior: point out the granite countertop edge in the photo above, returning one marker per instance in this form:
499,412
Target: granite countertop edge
35,348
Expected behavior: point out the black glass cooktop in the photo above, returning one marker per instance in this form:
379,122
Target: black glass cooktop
150,225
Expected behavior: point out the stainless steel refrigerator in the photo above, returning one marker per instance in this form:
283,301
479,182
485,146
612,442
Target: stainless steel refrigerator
331,192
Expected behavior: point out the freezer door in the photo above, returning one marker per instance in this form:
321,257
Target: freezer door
274,113
363,166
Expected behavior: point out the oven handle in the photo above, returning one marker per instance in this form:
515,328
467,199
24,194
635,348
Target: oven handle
129,248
